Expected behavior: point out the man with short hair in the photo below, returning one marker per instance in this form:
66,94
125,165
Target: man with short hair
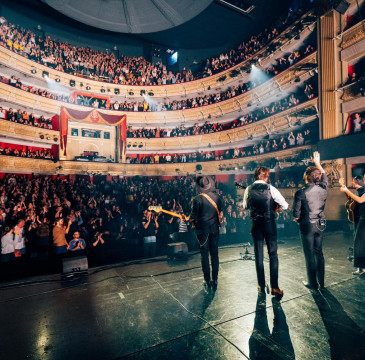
308,212
261,198
19,241
77,244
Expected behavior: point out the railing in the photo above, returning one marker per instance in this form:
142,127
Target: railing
26,132
11,164
170,118
226,138
353,35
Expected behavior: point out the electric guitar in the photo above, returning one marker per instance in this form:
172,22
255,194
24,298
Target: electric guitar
350,204
240,186
159,209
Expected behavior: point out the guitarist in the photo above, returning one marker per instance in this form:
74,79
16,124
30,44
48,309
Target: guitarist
205,213
359,241
260,198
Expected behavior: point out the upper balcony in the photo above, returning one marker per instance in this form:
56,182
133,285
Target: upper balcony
225,110
300,28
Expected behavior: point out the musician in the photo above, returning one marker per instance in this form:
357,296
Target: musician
308,212
260,198
205,215
359,241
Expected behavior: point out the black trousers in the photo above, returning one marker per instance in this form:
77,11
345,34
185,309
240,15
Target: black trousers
208,244
312,238
359,244
263,230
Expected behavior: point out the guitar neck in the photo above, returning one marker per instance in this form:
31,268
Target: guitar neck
170,213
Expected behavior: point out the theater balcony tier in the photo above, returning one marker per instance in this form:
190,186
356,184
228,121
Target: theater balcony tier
352,97
11,164
352,36
13,130
283,121
279,44
225,110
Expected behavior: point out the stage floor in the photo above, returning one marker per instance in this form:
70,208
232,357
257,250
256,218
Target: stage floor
154,309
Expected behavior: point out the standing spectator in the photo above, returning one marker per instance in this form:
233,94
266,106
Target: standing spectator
150,226
7,245
19,241
60,244
291,139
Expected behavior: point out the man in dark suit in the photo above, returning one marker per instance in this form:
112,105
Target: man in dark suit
205,212
308,212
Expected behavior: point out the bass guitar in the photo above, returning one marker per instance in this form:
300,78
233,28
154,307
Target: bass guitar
350,204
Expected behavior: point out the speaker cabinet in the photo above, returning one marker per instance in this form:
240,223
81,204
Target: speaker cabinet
74,265
177,251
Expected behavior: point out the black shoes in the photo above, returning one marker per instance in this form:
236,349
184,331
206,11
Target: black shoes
210,285
310,286
214,285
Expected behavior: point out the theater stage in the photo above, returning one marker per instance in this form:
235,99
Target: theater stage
153,309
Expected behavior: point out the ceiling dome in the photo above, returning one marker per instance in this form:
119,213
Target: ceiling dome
131,16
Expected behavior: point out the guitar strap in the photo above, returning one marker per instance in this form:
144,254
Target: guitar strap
214,204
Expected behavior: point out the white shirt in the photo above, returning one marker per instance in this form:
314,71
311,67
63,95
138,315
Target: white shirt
7,244
19,242
275,194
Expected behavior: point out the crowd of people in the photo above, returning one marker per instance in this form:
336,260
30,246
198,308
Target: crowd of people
22,117
26,152
45,215
308,92
145,106
130,70
303,137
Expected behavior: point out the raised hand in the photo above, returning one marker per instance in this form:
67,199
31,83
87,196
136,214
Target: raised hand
316,158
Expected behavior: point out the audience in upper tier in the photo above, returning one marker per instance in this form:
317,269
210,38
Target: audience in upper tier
305,136
22,117
144,106
9,150
71,59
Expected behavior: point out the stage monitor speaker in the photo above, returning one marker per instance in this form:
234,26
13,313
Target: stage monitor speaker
340,5
177,251
74,265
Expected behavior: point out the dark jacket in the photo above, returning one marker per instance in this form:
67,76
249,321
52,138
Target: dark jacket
309,202
204,214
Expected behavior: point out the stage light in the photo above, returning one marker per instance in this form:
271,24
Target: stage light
131,93
45,74
81,84
102,90
33,71
151,93
72,83
143,92
88,87
116,91
58,80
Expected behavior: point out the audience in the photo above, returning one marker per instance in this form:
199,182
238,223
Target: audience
63,56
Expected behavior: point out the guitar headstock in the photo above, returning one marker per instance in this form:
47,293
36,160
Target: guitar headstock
155,208
342,182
